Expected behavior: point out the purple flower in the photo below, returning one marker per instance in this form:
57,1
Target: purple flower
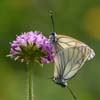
31,46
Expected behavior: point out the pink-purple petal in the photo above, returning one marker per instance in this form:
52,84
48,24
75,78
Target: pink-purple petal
36,38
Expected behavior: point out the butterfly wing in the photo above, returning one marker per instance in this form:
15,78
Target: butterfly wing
70,57
59,64
67,41
75,58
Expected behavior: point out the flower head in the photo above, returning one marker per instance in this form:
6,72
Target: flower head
31,46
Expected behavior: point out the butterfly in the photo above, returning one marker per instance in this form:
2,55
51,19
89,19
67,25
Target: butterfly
69,57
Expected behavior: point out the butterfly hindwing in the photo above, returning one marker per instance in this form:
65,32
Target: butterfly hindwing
75,63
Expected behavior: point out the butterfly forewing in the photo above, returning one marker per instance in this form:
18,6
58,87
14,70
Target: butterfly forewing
66,41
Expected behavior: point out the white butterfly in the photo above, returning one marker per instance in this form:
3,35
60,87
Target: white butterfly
70,55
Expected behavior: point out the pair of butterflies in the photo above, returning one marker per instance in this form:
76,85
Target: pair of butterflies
70,55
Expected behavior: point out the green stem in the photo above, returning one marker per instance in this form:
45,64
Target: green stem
30,81
72,93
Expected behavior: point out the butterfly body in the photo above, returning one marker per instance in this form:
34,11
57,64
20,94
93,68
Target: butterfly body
70,55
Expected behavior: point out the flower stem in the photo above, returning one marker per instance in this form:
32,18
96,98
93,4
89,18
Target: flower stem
30,82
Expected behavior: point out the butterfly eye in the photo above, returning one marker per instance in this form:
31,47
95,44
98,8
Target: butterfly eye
52,33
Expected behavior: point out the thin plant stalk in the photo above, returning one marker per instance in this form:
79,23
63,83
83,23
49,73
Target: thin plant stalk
71,93
30,81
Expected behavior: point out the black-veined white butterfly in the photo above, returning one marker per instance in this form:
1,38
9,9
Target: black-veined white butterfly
70,55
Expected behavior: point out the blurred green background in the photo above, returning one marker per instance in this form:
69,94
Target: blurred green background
77,18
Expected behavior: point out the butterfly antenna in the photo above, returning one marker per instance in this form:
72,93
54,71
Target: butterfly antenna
71,93
52,20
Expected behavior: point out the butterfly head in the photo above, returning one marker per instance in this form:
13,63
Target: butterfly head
52,37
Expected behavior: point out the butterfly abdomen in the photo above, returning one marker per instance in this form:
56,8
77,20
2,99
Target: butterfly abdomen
60,81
